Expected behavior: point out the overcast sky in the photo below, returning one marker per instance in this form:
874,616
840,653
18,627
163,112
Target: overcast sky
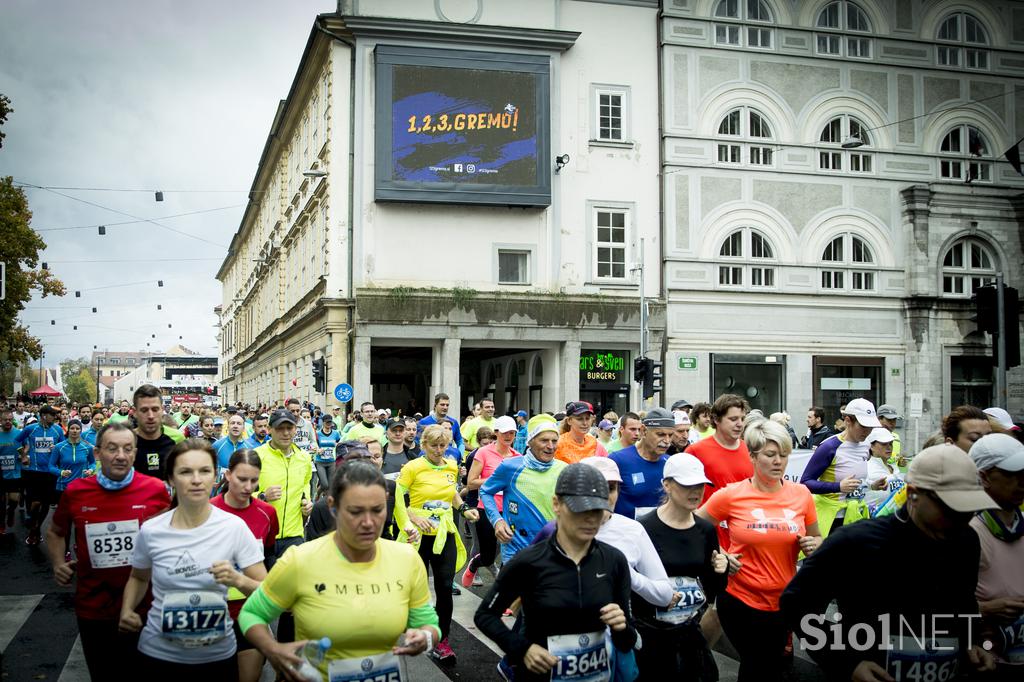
148,95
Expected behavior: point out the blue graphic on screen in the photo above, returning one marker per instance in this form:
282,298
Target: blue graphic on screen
467,126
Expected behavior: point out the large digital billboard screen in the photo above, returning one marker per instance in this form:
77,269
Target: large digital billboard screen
456,126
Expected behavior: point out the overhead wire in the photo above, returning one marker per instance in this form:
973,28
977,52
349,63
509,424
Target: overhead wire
135,222
119,212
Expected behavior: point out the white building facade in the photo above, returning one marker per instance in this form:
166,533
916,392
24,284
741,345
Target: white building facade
533,304
833,191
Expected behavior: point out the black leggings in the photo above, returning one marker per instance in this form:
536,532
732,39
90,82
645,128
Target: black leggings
443,567
40,488
158,670
486,544
758,636
109,653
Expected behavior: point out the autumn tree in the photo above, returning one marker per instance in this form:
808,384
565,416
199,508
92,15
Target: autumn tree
19,251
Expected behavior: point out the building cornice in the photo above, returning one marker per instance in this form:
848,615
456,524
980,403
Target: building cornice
392,28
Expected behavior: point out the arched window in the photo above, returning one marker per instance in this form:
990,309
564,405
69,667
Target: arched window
968,264
846,262
737,11
972,42
847,137
749,124
747,257
969,147
846,17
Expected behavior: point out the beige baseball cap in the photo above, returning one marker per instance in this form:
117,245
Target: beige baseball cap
950,473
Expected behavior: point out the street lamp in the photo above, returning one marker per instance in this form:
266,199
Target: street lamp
852,142
314,173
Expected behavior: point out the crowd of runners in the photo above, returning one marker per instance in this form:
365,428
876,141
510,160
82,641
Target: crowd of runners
203,543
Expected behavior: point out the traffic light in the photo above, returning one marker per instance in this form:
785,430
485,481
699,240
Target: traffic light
986,316
320,375
640,369
985,307
647,373
652,385
1011,306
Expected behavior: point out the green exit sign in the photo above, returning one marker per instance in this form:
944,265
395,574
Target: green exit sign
688,362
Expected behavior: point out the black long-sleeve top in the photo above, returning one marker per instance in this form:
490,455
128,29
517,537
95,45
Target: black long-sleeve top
684,552
937,577
559,598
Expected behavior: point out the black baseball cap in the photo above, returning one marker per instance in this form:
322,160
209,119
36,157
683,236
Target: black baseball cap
681,403
582,488
393,422
281,416
578,407
348,450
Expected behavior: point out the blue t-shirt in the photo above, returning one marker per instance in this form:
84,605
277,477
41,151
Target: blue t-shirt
327,441
41,443
225,448
10,462
641,481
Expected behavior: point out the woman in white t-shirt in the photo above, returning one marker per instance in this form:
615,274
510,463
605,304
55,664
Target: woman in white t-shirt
190,555
882,479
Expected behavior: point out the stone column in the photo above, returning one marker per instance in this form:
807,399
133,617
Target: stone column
451,352
361,372
568,373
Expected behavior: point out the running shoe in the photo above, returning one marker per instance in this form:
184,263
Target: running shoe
478,581
469,576
443,653
505,670
32,539
455,590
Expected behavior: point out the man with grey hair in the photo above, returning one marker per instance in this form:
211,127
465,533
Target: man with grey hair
642,464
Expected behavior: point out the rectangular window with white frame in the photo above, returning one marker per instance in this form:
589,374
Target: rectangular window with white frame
611,243
611,110
513,266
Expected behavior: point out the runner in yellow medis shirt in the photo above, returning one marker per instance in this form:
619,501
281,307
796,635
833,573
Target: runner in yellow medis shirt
349,572
432,484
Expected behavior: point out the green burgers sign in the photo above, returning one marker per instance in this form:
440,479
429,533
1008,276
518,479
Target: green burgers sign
604,366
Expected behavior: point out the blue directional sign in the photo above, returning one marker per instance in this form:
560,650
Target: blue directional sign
343,392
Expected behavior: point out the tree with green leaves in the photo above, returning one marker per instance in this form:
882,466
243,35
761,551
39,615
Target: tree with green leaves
80,387
19,250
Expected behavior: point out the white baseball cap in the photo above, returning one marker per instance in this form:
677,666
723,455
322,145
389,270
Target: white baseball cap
504,424
681,418
684,469
880,435
607,466
998,451
1001,417
863,411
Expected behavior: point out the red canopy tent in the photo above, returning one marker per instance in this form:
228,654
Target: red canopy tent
45,391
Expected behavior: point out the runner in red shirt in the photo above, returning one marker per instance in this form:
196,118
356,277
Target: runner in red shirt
724,455
241,479
106,511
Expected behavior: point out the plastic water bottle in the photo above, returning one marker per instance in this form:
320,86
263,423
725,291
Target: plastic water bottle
312,655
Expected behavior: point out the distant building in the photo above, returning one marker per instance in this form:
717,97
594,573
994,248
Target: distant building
180,373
